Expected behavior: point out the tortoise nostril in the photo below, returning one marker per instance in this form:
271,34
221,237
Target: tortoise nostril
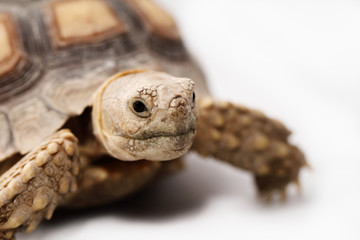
179,106
177,102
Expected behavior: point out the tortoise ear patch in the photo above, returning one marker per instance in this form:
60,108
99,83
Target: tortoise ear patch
158,21
10,53
83,21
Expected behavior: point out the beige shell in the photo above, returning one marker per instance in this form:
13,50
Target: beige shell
55,54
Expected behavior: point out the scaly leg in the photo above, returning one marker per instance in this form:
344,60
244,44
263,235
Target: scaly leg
110,179
35,185
249,140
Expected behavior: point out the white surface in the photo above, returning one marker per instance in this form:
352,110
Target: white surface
299,61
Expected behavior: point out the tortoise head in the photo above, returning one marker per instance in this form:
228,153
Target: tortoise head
145,115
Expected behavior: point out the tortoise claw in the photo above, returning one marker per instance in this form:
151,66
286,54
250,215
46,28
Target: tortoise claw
283,194
280,194
266,197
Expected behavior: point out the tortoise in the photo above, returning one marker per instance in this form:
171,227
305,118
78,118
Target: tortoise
98,100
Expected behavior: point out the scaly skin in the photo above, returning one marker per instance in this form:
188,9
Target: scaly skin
249,140
35,185
110,179
53,176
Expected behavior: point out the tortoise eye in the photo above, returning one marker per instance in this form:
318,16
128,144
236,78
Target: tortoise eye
138,106
193,97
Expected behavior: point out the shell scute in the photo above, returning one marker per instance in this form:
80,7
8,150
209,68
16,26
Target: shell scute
10,53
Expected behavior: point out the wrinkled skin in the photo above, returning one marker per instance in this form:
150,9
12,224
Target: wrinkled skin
163,129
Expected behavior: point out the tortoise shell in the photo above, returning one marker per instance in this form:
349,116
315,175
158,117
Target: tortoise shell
55,54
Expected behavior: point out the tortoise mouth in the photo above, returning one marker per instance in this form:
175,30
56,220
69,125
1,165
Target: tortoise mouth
176,142
153,135
160,146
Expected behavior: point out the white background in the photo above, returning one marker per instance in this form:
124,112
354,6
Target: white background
298,61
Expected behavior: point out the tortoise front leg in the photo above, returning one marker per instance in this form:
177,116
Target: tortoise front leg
36,184
249,140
